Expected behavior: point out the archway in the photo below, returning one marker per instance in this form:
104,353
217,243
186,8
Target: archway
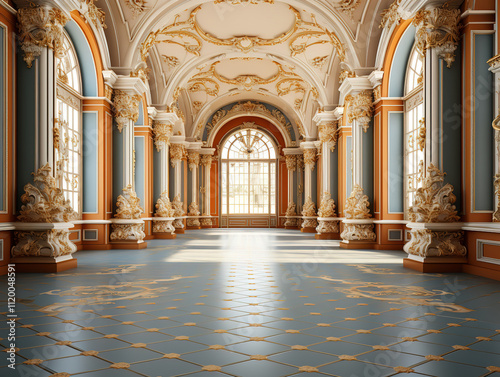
249,178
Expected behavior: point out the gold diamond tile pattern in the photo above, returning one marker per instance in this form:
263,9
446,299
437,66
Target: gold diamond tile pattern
353,314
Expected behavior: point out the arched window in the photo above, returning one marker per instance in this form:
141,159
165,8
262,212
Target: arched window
414,127
248,184
67,125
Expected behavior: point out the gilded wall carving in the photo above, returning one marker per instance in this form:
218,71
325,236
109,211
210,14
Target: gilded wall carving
93,13
161,133
329,133
206,160
164,207
310,157
291,162
391,16
360,108
357,205
52,243
128,205
178,153
40,27
43,201
327,206
193,160
429,243
127,232
434,201
126,108
438,28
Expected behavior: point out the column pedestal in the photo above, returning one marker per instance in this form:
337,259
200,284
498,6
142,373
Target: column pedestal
358,234
205,222
43,247
309,224
328,228
127,234
163,228
293,222
435,247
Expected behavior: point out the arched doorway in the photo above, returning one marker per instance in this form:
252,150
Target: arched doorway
249,178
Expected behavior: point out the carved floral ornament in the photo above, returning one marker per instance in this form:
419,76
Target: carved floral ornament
434,201
40,27
126,108
496,214
391,16
93,13
257,108
188,34
357,205
291,162
286,81
327,206
438,28
310,157
128,205
309,208
360,108
206,160
43,201
164,207
177,153
329,133
291,209
193,159
162,133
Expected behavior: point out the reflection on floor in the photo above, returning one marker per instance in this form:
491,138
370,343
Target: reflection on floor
265,303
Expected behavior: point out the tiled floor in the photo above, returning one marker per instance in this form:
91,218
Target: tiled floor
256,303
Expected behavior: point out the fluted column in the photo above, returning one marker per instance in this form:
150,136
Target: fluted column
163,123
127,226
358,225
309,214
42,234
436,242
328,132
178,153
206,163
292,157
193,220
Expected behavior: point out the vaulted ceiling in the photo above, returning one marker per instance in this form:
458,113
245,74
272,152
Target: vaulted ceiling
202,55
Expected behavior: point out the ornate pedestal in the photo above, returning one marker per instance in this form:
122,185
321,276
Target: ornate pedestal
206,221
127,234
309,224
435,247
193,222
163,228
293,222
43,247
358,234
179,225
328,228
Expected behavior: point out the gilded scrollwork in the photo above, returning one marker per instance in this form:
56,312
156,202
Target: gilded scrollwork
193,210
127,232
179,211
358,232
206,160
291,212
360,108
421,136
327,206
357,205
391,16
247,107
329,133
310,157
291,162
52,243
434,201
347,6
193,158
177,153
43,201
126,108
345,74
438,28
137,6
93,13
161,133
309,208
128,204
40,27
164,207
429,243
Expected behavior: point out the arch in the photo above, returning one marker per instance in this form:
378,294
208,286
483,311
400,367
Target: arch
232,124
398,52
88,53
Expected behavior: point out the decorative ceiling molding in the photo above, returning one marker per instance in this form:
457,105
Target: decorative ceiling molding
137,6
244,108
238,2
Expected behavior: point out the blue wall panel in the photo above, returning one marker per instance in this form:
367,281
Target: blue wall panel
400,62
348,164
118,182
156,175
334,176
368,162
396,162
140,168
90,161
482,131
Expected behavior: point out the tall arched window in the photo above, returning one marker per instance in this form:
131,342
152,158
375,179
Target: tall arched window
414,126
248,174
67,127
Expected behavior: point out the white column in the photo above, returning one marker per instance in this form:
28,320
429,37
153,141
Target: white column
177,155
309,210
206,163
292,155
193,163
